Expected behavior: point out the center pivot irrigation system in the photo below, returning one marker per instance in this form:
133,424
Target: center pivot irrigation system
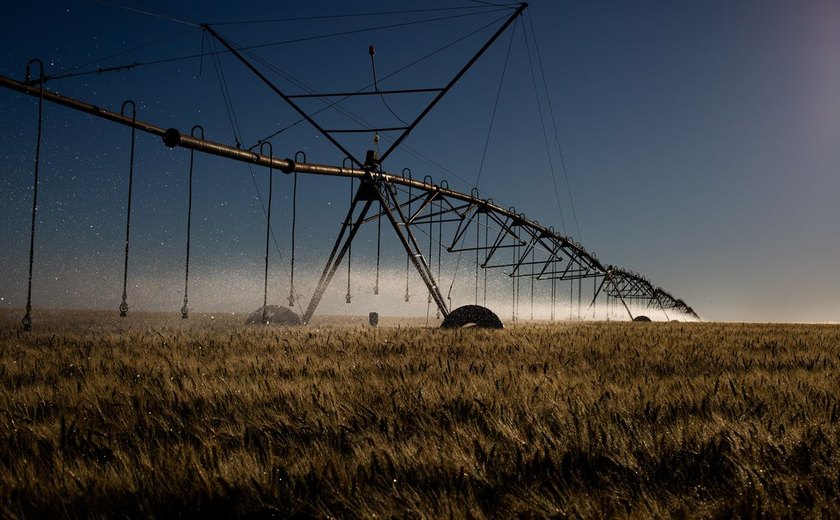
500,238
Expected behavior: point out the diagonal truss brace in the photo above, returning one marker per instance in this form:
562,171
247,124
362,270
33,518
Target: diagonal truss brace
441,92
522,6
371,191
280,93
392,209
609,282
350,227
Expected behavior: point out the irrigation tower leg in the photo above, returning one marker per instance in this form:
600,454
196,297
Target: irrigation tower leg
609,278
334,259
391,207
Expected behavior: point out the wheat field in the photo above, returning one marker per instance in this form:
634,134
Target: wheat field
153,416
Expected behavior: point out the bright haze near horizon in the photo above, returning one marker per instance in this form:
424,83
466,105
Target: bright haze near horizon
700,144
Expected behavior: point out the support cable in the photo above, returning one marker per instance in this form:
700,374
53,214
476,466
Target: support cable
495,106
545,134
367,29
165,16
453,81
352,116
334,103
161,61
232,119
372,52
359,15
554,125
26,322
262,77
99,70
488,4
457,267
228,101
204,37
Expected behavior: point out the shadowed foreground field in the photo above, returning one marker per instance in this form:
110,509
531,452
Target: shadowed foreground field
151,417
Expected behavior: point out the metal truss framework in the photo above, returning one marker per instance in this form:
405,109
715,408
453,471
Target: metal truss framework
473,225
500,238
468,224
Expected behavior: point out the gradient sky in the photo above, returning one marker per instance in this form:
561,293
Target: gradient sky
701,142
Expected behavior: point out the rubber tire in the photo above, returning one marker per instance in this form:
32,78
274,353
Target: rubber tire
472,316
641,318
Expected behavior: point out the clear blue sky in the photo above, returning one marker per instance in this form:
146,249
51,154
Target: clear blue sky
701,143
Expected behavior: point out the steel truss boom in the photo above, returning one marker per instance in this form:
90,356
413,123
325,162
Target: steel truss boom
546,254
441,92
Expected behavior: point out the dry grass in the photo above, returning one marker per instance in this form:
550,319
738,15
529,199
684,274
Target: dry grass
151,417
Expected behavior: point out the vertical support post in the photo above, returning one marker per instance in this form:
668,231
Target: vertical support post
26,322
124,304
